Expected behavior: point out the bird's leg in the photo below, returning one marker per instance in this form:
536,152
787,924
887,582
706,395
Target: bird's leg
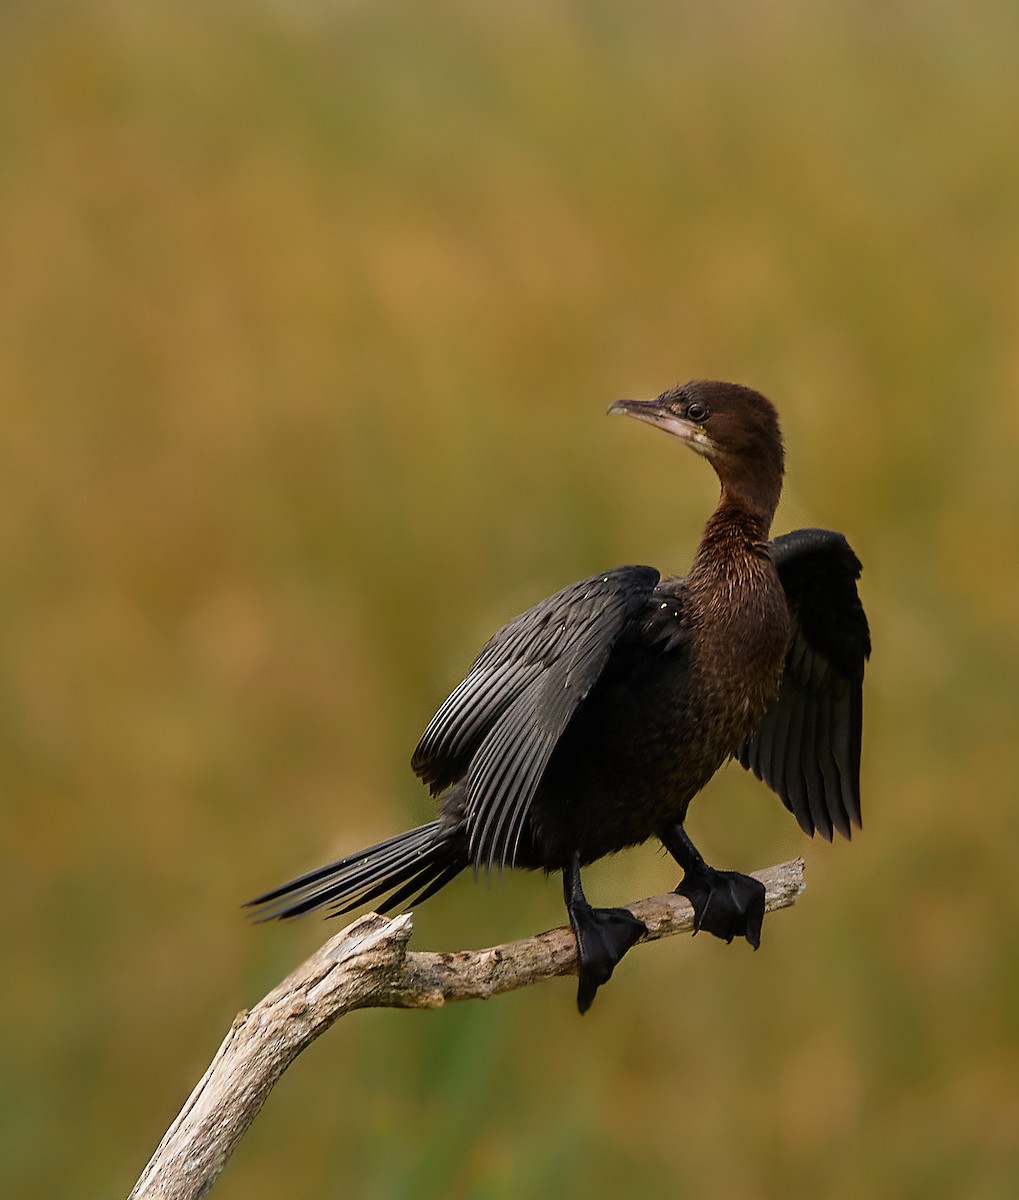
725,903
603,935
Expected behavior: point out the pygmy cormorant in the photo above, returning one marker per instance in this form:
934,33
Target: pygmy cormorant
589,722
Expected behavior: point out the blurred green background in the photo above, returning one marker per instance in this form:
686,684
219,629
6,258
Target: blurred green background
309,317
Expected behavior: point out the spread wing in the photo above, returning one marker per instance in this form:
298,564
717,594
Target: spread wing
500,726
807,748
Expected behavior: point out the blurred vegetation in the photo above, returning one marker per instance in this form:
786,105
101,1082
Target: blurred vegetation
310,314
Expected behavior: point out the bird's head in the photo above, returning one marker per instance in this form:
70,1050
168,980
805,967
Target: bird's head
735,428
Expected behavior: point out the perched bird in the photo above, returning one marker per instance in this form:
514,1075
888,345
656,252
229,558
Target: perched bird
589,722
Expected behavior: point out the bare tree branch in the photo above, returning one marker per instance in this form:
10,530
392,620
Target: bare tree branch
367,965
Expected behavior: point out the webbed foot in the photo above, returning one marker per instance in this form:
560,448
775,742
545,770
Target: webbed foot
603,936
725,903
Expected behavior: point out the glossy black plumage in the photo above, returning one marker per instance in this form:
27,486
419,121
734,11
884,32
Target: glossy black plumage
589,722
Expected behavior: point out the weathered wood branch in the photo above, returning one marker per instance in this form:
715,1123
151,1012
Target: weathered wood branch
367,965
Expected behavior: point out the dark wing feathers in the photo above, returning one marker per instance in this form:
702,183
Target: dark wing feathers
807,748
500,726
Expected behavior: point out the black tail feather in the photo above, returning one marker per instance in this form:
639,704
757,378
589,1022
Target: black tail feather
320,873
415,861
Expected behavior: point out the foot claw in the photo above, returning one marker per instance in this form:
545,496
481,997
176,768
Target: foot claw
603,936
725,903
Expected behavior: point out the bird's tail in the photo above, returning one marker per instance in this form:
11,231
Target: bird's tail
419,861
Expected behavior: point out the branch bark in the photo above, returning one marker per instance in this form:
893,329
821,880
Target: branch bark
367,965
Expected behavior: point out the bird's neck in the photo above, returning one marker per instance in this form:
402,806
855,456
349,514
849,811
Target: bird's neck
736,533
738,609
732,572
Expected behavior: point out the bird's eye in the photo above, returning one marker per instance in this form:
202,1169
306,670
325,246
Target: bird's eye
695,411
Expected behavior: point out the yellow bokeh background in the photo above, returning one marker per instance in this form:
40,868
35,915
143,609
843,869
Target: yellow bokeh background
309,317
